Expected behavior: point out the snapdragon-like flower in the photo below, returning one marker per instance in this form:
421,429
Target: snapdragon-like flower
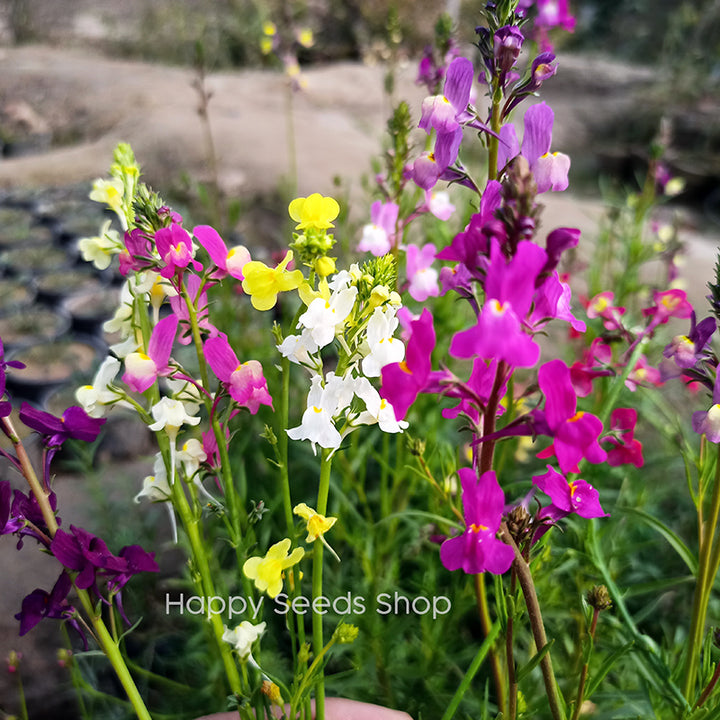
626,450
75,423
156,487
509,290
575,433
314,212
378,237
423,278
244,381
267,572
317,525
687,350
101,249
707,422
577,496
142,370
668,303
384,348
377,410
403,381
229,262
445,113
550,170
323,403
97,398
326,316
170,415
263,284
175,248
243,637
478,548
40,604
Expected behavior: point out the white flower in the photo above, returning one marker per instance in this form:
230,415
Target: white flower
243,636
155,487
192,455
383,348
96,398
99,250
170,415
298,348
374,240
317,420
439,204
121,321
323,316
378,410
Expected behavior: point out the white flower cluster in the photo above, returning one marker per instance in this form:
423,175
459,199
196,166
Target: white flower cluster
341,400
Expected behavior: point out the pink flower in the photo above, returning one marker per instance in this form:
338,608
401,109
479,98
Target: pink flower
577,496
175,248
378,236
422,276
142,370
244,381
626,449
229,262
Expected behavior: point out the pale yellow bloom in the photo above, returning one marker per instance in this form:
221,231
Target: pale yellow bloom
267,572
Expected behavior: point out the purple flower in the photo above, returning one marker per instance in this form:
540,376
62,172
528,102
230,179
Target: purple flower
549,169
475,393
707,422
244,381
75,423
423,278
478,549
445,113
402,382
40,604
507,43
5,406
431,166
575,434
687,350
378,236
138,254
577,496
26,518
5,495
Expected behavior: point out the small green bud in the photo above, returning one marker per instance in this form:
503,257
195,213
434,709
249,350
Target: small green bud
304,654
416,446
345,634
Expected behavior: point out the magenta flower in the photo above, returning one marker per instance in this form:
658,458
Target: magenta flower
509,290
26,519
423,278
142,370
555,13
138,253
175,248
576,496
549,169
552,300
473,394
478,548
5,495
602,306
402,382
5,406
244,381
575,434
643,374
228,262
595,363
707,422
668,303
626,449
447,112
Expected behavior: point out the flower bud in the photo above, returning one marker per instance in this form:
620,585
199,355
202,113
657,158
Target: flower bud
345,633
272,691
598,597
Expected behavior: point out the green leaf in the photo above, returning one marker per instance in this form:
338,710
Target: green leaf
534,662
672,537
605,668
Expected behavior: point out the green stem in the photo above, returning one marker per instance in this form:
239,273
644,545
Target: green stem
486,623
202,566
495,123
536,623
704,584
113,654
317,580
584,672
472,670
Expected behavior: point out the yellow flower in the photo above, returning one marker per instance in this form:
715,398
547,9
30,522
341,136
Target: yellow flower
266,45
110,192
325,266
305,37
269,28
263,283
317,525
267,572
314,211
